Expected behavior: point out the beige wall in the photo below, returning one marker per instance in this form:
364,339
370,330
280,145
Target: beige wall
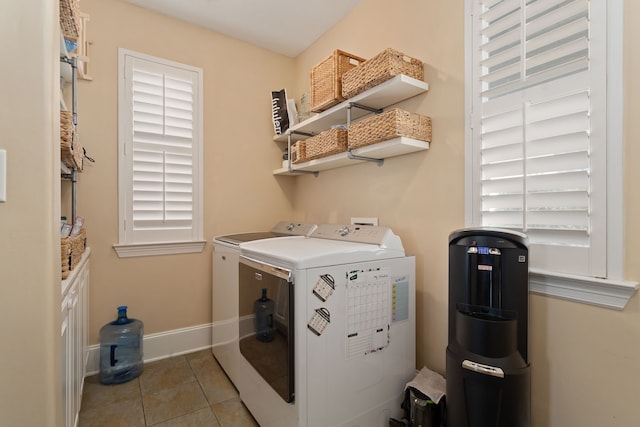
585,359
29,244
172,292
421,196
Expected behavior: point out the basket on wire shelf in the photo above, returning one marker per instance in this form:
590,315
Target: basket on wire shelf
71,151
70,19
71,250
389,125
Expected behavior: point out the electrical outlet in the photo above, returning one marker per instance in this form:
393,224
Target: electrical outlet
364,221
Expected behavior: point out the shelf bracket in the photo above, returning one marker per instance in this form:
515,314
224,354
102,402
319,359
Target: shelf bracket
362,107
367,159
297,132
315,173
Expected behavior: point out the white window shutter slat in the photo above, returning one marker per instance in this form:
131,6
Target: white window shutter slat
542,16
495,45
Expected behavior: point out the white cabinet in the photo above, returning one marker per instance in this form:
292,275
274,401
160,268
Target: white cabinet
74,338
388,93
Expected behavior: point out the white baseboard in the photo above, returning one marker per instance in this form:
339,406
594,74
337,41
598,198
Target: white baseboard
162,345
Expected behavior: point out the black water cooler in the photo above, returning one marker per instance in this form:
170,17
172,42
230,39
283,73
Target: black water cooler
488,372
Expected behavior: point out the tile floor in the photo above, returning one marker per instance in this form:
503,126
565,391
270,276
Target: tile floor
184,391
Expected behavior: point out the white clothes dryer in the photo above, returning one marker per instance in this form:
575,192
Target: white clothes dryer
344,346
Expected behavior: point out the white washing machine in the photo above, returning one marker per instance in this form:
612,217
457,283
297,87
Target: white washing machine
344,344
226,252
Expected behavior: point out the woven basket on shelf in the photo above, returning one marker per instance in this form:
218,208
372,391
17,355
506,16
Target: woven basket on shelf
71,151
329,142
71,250
326,79
388,125
70,19
78,155
298,153
65,256
73,157
66,127
382,67
66,139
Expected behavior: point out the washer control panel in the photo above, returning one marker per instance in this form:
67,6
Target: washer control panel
293,228
376,235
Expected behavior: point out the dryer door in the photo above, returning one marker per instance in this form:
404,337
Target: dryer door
266,297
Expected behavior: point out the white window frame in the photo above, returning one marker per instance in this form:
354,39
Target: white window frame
611,291
162,241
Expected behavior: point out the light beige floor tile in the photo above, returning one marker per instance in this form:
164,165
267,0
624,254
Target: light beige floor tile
206,353
183,391
174,402
165,375
202,418
217,387
124,413
232,413
160,364
204,364
214,382
96,395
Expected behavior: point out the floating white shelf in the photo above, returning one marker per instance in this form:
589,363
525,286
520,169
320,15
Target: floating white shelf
381,150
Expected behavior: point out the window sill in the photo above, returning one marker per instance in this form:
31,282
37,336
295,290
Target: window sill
152,249
606,293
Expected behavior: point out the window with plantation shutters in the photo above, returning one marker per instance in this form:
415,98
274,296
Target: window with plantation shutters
160,151
538,129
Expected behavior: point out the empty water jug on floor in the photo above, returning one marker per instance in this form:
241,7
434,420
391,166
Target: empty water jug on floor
121,349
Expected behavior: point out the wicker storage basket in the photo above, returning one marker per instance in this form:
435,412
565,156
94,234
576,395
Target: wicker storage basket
65,256
66,138
388,125
71,151
66,127
326,79
78,155
71,250
298,152
70,19
384,66
329,142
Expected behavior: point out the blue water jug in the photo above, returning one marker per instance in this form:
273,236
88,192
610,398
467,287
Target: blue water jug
265,328
121,349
